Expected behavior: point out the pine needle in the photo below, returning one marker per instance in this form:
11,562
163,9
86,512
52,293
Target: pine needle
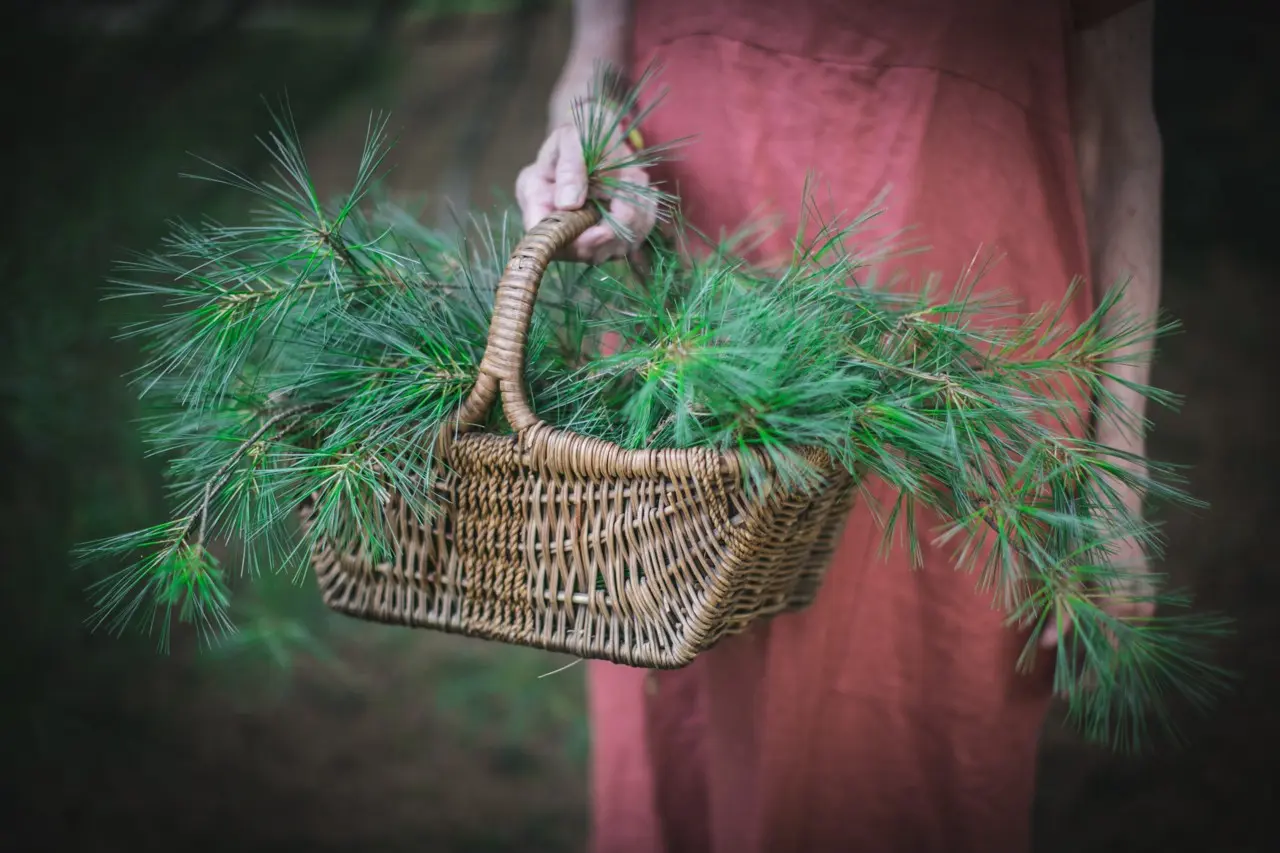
312,356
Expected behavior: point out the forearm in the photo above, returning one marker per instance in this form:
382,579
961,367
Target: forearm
1121,165
601,31
1124,230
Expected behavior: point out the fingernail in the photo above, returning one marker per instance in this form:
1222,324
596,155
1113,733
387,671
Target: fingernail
567,196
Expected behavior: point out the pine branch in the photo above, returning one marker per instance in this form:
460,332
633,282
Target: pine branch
313,356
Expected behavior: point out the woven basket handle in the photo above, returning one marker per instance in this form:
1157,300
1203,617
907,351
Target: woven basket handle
502,367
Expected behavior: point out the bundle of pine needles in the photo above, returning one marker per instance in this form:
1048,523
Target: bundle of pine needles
316,353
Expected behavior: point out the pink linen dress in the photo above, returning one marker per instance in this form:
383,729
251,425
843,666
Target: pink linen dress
888,717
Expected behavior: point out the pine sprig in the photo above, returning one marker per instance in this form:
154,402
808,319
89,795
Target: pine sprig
172,579
602,118
313,356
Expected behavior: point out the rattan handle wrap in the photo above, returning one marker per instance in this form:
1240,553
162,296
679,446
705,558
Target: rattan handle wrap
502,367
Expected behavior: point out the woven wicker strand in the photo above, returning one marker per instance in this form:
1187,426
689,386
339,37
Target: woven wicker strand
559,541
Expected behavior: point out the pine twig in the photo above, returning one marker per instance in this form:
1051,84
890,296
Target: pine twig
218,480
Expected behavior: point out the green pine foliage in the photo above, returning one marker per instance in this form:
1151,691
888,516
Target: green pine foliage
315,353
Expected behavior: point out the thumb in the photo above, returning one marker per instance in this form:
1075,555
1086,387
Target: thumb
571,172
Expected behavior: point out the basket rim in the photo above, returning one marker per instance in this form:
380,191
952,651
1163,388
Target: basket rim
586,456
502,372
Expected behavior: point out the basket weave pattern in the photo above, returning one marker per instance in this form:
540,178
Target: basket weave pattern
559,541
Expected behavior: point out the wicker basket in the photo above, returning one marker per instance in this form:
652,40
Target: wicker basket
555,540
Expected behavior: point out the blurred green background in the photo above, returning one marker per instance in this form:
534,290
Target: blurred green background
323,734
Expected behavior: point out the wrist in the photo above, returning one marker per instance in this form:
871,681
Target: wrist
605,88
580,81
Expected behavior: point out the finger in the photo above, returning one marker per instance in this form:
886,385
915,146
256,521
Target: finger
548,154
570,171
595,236
535,213
647,219
613,248
542,172
1055,631
588,244
637,220
631,218
630,224
534,197
633,211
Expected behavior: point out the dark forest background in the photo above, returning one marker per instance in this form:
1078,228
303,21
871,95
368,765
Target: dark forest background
320,734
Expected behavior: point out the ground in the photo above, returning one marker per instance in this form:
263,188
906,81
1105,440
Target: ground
408,741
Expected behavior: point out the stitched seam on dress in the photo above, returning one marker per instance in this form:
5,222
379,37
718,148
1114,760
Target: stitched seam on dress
1032,112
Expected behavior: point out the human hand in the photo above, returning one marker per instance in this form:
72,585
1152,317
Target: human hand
557,180
1132,602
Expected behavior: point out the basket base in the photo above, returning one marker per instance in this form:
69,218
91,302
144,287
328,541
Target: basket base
639,571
